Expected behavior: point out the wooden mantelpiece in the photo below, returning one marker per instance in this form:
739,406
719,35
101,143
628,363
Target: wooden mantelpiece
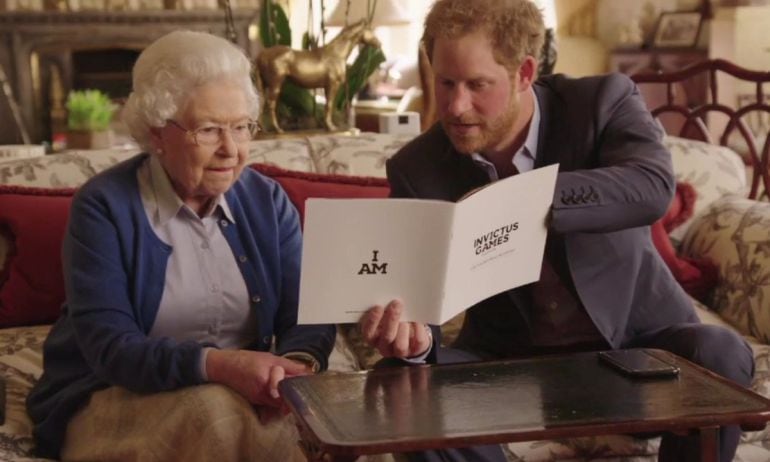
38,46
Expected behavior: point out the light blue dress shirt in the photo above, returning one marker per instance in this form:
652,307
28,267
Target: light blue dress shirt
205,298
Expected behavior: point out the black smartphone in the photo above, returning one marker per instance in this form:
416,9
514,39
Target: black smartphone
638,362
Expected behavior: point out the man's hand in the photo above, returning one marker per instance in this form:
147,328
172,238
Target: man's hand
253,374
383,329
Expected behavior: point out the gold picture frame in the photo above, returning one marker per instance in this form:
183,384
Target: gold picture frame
678,29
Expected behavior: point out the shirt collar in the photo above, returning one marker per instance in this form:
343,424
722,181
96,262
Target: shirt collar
169,203
533,139
524,158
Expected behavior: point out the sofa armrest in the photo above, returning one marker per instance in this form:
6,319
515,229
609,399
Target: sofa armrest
734,233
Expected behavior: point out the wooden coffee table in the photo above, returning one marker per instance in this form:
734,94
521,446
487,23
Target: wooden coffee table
344,415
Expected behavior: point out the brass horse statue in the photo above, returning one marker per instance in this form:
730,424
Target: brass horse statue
323,67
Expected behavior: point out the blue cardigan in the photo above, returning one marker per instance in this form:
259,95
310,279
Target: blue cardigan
114,271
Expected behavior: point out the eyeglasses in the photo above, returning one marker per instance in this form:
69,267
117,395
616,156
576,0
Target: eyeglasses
210,135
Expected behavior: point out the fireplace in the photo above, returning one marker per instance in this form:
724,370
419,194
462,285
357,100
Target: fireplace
105,69
46,54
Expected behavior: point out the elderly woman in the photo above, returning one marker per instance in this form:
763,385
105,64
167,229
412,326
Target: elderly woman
181,267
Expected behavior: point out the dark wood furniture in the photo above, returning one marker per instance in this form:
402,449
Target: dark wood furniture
722,114
635,60
342,416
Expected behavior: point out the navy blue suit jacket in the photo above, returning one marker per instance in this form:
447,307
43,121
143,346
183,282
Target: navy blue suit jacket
615,179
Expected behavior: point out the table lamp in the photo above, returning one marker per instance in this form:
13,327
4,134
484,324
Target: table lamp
386,13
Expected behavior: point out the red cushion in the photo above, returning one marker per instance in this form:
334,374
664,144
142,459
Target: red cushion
301,185
34,220
697,277
681,208
31,286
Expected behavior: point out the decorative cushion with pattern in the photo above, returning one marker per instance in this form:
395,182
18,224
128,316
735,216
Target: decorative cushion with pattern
73,168
64,170
735,232
290,153
362,155
712,170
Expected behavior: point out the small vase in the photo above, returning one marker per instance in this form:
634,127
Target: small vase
82,139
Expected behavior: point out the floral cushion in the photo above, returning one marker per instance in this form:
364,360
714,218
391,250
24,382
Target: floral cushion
735,233
712,170
362,155
21,363
73,168
64,170
288,153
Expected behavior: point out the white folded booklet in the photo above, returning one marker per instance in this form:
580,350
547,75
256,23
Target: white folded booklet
438,257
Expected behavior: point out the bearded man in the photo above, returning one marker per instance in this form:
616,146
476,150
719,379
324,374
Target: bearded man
603,284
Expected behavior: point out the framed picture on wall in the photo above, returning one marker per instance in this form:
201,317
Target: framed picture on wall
677,29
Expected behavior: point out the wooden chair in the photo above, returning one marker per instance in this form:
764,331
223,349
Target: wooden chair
719,115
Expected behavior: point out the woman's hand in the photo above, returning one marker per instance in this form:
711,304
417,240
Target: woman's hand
383,329
253,374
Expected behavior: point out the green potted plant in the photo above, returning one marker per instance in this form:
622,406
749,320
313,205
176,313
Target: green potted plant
89,113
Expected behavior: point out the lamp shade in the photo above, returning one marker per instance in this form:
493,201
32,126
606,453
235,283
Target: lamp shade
386,13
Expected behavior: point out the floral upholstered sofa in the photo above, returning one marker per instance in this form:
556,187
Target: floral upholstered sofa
718,224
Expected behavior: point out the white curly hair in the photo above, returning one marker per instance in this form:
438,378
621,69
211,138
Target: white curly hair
168,69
